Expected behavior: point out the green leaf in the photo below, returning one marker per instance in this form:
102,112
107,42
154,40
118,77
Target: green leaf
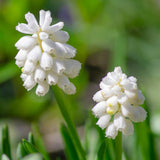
8,71
101,151
39,142
29,148
31,138
33,156
63,103
6,142
69,145
20,151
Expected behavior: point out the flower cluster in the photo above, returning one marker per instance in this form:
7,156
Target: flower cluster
45,57
118,104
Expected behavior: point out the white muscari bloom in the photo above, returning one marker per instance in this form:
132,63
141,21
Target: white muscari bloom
118,104
44,56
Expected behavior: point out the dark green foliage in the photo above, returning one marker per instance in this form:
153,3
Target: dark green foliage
6,142
70,148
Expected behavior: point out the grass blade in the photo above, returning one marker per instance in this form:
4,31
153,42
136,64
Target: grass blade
69,145
63,105
6,142
20,152
39,142
29,148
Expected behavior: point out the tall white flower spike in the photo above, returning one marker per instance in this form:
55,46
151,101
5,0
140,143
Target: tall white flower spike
45,57
118,104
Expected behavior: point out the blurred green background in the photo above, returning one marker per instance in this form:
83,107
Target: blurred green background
106,33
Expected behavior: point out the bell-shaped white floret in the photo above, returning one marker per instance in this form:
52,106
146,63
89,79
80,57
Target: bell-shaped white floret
66,85
29,82
26,42
46,61
21,55
35,54
52,78
39,74
58,66
42,88
103,121
99,109
72,67
111,131
29,67
60,36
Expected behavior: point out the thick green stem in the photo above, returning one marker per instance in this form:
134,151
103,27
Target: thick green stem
118,146
61,101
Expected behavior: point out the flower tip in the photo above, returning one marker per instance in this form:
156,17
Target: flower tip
61,24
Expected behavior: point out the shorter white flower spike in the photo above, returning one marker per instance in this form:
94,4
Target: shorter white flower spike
45,57
118,104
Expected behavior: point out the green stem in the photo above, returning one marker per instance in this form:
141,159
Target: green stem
118,146
62,102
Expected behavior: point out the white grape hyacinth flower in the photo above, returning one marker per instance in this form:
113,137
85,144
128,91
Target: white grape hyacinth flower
44,56
118,104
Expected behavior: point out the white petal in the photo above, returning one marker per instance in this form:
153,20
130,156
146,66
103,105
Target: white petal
39,75
29,83
119,121
108,81
112,102
103,121
20,63
133,79
129,129
60,36
128,85
42,89
58,66
138,114
21,55
52,78
123,99
26,42
118,70
131,94
72,67
24,28
103,86
126,110
32,22
135,113
64,50
66,85
4,157
47,21
140,98
29,67
111,131
98,96
56,27
43,35
48,45
46,61
23,76
116,90
99,109
42,14
35,54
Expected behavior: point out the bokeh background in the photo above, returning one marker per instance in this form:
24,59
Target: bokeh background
106,33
